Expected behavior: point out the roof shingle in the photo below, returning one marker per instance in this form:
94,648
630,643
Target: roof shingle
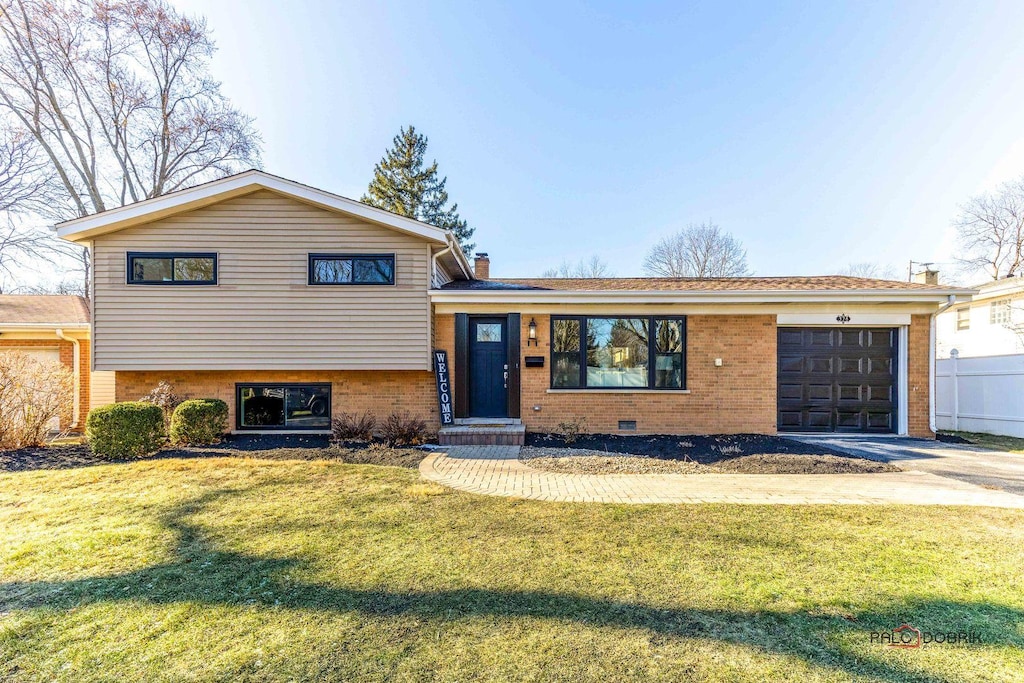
56,309
685,284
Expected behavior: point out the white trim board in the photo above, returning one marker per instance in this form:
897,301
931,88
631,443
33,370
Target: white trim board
830,320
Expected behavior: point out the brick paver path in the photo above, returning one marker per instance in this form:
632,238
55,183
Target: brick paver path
497,471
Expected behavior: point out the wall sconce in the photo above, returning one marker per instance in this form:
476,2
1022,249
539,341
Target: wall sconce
532,338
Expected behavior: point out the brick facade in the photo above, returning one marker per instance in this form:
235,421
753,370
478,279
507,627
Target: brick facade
738,397
918,377
67,355
381,392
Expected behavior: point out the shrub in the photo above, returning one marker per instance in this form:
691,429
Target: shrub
402,430
199,421
33,394
348,427
570,430
125,430
163,395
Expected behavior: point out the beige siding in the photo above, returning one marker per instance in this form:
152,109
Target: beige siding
261,314
101,388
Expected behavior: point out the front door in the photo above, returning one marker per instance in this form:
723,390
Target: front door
488,367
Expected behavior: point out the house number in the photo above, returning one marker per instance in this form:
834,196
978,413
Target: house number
842,318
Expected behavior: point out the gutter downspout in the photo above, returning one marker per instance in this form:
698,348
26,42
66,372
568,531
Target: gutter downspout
434,258
76,364
931,361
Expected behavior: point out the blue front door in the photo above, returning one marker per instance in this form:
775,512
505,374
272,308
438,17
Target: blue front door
488,367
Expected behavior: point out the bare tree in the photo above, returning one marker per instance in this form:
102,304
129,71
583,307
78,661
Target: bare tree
117,95
876,271
990,230
592,267
701,251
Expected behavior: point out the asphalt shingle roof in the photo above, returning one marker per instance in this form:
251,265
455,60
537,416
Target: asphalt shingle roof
656,284
58,309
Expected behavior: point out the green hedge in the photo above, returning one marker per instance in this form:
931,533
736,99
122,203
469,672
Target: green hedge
199,421
125,430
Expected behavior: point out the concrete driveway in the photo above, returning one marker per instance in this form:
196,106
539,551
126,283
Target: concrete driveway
971,464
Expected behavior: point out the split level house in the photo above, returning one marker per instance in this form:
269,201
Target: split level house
293,304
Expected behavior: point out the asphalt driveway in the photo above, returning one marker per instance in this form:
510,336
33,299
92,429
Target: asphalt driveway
971,464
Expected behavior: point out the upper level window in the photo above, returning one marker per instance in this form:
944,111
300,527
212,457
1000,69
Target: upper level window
618,353
351,269
999,312
146,268
963,318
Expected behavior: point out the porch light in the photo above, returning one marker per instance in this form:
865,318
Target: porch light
533,333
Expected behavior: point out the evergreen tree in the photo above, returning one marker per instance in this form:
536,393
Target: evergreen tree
403,184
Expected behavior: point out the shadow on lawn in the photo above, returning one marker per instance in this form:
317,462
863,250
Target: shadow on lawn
204,575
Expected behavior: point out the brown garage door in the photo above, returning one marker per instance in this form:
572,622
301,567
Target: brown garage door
837,379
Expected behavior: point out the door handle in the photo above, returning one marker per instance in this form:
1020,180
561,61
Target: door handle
506,379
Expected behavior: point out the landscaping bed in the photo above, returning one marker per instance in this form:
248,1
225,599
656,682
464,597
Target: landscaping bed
669,454
261,447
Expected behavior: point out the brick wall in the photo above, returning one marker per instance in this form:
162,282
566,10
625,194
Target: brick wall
737,397
67,354
740,396
381,392
917,376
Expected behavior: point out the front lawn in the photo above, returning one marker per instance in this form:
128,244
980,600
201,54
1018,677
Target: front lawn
256,569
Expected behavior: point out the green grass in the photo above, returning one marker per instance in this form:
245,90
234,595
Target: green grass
231,569
997,442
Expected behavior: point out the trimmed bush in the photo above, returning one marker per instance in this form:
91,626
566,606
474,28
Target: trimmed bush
348,427
199,421
125,430
402,430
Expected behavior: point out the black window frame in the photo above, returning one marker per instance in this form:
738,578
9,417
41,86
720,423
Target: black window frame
652,351
352,257
281,385
132,255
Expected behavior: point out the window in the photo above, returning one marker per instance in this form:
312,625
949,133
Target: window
351,269
963,318
999,312
618,353
488,332
283,406
171,268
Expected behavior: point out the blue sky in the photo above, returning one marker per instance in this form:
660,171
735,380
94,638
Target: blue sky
818,133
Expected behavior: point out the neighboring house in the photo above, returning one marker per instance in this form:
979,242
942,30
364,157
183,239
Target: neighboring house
56,327
294,304
991,324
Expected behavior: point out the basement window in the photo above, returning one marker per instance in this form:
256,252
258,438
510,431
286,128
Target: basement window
283,406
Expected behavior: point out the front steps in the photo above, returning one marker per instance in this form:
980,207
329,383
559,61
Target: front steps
478,431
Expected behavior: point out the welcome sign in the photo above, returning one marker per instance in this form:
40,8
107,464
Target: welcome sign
444,387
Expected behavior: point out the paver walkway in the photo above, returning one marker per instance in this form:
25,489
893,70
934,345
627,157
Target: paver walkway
497,471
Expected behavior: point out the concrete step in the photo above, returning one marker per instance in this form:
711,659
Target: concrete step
483,435
487,421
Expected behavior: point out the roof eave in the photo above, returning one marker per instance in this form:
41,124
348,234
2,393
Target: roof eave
87,227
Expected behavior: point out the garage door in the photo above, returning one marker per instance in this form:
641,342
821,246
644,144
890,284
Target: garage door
837,379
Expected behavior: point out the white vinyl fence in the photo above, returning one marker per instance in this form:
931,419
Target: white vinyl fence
982,394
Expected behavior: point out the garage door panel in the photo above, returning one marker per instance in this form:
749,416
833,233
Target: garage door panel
837,379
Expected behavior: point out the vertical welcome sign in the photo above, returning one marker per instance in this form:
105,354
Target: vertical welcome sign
444,387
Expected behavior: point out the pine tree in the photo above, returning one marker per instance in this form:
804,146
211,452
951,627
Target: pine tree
403,184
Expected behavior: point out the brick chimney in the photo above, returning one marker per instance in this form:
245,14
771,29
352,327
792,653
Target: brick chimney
482,266
927,277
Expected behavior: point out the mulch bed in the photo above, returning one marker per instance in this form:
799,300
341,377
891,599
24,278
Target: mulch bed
261,447
648,454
